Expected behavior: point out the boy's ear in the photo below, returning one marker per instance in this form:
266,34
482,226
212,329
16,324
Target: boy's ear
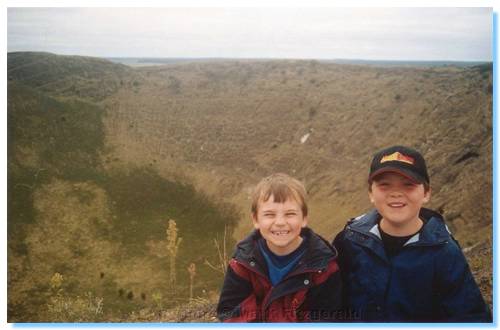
254,220
370,195
427,195
304,222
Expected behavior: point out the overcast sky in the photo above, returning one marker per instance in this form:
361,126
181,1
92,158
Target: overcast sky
322,33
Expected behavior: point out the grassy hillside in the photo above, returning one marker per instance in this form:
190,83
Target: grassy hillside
104,231
243,120
124,150
70,76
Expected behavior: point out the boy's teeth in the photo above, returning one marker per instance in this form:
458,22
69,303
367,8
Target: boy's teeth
280,232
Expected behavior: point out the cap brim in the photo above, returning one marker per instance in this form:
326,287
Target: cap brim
407,174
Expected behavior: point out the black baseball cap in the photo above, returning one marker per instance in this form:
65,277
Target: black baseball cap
402,160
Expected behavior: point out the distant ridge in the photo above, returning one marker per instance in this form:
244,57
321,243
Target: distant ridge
148,61
145,61
390,63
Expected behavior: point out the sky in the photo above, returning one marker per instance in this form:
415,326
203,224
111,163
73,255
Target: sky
388,33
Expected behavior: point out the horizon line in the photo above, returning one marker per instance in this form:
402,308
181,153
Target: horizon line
260,58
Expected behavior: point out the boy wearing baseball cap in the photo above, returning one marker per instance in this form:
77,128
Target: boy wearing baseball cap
399,261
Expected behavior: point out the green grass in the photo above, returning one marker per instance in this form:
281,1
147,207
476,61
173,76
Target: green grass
65,139
74,76
142,200
63,148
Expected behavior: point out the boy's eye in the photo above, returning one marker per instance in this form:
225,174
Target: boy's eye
291,214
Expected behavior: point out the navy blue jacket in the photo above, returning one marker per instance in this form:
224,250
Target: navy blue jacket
311,292
429,280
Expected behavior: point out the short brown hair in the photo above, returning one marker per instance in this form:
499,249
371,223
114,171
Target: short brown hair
282,187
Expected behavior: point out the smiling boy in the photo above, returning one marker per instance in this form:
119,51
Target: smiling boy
399,261
399,200
283,271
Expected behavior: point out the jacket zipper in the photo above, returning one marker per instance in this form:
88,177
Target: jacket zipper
265,301
268,296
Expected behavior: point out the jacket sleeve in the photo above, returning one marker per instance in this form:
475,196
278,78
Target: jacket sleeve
237,301
324,300
461,300
339,245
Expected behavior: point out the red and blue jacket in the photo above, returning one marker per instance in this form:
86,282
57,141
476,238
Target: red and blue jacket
311,292
429,280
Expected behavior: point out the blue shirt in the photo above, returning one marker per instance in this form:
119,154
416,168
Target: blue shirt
279,266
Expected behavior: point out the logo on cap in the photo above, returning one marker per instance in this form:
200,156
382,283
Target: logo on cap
399,157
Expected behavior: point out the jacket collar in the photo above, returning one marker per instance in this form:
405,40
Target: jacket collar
318,254
434,232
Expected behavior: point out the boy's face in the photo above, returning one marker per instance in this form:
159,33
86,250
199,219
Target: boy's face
280,224
398,199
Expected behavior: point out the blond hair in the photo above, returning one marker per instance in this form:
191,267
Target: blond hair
282,187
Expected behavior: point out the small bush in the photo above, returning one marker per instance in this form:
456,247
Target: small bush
63,308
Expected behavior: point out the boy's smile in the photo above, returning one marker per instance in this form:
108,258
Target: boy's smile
280,225
280,233
399,200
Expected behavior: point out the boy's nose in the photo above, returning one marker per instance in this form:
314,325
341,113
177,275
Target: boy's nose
395,193
280,219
